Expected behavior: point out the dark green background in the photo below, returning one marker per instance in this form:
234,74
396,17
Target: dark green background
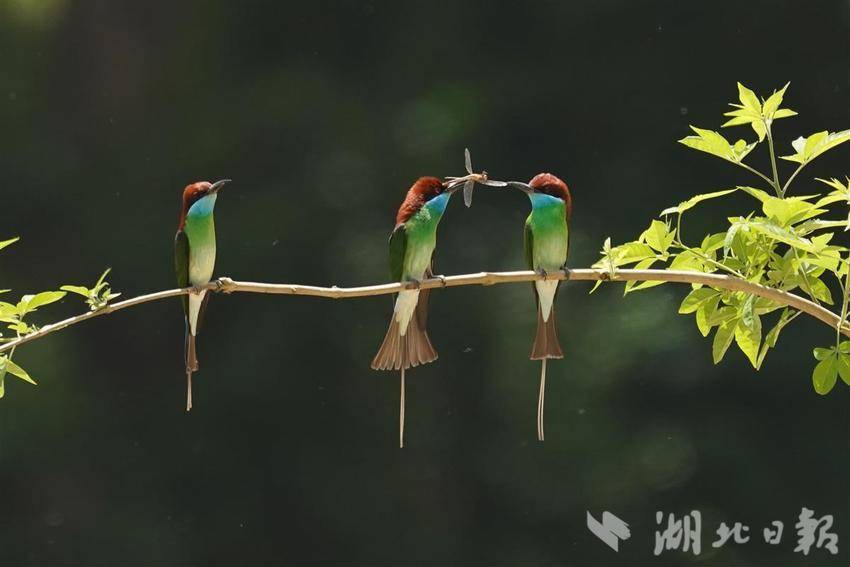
323,113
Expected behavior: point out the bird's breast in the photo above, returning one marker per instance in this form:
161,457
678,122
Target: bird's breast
551,234
200,230
421,239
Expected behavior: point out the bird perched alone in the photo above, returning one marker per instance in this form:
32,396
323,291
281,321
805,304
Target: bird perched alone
412,244
194,261
547,237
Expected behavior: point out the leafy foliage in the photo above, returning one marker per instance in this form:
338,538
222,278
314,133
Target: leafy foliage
98,296
782,242
14,316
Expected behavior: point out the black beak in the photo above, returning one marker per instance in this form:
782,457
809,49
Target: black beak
218,185
524,187
453,186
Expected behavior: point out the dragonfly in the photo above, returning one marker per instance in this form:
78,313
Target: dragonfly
471,179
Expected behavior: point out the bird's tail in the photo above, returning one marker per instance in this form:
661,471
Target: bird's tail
191,358
546,343
196,305
403,351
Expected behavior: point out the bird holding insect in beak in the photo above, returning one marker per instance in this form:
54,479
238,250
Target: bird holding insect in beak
194,261
412,244
547,237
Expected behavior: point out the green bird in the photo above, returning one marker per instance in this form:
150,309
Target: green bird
547,243
194,262
412,244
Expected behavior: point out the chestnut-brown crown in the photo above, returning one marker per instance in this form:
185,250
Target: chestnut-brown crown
552,185
191,195
422,191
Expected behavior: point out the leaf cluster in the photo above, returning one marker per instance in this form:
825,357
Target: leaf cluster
15,316
783,242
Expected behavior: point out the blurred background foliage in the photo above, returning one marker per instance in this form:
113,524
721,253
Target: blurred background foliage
324,113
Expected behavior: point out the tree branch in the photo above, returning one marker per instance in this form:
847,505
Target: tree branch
227,285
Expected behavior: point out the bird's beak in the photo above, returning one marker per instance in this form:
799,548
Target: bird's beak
454,183
524,187
218,185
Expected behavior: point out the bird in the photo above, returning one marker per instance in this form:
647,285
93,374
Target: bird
194,261
547,243
411,253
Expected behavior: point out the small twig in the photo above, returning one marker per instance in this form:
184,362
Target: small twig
776,185
227,285
793,175
754,170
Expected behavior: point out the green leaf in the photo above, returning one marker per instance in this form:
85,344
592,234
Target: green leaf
783,113
635,286
840,188
658,236
723,315
748,336
844,367
825,375
7,310
696,199
817,289
712,242
100,280
789,210
770,108
759,128
5,243
748,99
631,252
687,261
807,149
818,224
731,233
78,289
772,336
762,196
772,230
705,313
18,371
715,144
696,298
722,339
19,327
32,302
748,112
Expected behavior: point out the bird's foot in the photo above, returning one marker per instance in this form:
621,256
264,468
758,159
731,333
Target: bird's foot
413,284
196,290
442,280
542,272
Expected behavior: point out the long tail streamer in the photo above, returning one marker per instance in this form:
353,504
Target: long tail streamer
401,414
541,401
188,390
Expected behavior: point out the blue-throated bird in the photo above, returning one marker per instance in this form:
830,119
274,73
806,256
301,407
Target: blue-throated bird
412,244
547,238
194,261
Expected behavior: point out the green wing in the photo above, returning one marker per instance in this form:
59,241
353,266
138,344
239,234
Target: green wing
398,248
528,241
181,264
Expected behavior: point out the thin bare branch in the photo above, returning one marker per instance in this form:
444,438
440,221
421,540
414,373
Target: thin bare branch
227,285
